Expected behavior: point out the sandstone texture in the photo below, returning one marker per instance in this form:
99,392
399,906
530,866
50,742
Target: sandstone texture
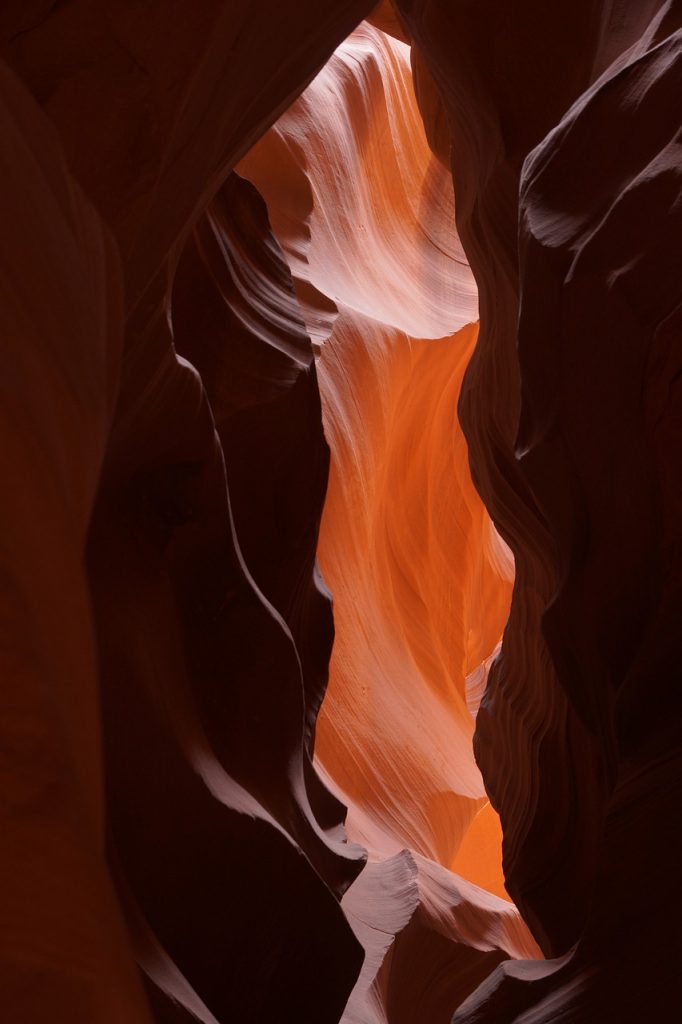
341,528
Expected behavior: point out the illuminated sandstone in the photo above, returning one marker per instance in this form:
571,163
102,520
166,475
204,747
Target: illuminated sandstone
421,582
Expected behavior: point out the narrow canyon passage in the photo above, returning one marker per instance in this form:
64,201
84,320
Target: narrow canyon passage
421,583
340,559
364,210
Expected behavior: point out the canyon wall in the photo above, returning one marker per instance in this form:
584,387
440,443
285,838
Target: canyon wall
567,450
181,345
131,600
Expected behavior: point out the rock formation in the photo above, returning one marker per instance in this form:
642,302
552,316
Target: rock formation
138,108
408,628
218,263
556,735
421,593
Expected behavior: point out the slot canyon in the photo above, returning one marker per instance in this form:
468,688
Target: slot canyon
342,512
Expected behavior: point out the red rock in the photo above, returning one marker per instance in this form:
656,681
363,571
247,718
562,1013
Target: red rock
168,794
64,951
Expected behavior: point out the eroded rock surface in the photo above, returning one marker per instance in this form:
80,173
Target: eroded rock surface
170,797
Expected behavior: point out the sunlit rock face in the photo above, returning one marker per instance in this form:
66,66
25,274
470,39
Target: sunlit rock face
421,581
406,545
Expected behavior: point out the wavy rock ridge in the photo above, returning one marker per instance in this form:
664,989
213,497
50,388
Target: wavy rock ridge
172,818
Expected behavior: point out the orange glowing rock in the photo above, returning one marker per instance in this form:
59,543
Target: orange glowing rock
421,581
418,603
